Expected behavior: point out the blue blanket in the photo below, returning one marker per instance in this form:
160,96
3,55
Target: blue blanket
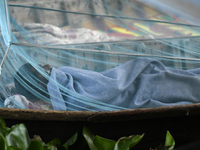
139,83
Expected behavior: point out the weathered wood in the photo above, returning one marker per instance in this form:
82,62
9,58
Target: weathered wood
146,113
26,114
100,117
181,121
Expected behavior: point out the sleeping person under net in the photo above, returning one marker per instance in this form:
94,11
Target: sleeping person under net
138,83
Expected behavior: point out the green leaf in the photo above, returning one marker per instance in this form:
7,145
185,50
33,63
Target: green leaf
71,141
55,142
13,148
89,137
80,142
2,123
35,145
3,144
18,137
169,141
103,143
3,128
125,143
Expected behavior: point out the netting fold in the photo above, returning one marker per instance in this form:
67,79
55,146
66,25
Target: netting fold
99,55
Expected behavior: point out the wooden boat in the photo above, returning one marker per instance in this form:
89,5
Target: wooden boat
181,121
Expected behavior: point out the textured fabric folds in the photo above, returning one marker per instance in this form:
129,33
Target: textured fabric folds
138,83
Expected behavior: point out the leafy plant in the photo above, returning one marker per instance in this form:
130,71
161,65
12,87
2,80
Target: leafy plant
99,143
169,143
17,138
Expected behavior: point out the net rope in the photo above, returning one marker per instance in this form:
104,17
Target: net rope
92,35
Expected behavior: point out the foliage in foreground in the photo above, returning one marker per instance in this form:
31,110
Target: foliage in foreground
17,138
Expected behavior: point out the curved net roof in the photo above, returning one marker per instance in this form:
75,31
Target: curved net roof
86,39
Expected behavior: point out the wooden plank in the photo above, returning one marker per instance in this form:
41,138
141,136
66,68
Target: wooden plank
100,117
43,115
146,113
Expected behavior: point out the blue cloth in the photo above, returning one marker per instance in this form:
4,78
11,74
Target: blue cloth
139,83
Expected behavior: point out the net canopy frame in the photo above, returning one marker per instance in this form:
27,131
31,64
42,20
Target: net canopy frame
58,55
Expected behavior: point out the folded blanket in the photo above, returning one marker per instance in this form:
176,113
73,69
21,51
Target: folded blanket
139,83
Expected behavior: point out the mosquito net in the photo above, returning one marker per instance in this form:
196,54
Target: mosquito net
99,55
